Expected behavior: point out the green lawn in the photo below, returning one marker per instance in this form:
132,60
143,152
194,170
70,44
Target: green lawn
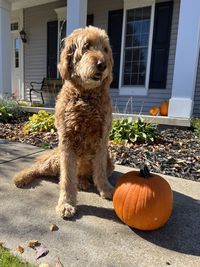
9,260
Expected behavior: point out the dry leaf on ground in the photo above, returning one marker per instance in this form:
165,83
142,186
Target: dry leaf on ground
41,251
1,244
54,227
33,243
59,263
20,249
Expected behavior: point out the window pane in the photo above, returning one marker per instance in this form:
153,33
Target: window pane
136,54
128,40
134,79
145,26
14,26
127,79
144,38
137,27
16,45
127,68
128,55
136,46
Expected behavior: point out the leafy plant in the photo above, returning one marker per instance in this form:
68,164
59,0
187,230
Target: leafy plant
9,110
9,260
133,131
40,122
195,123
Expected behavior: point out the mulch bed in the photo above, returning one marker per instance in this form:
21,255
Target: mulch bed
177,153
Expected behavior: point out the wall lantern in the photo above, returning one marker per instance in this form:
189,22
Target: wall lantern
23,36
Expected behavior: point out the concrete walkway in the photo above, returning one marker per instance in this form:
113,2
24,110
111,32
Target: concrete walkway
95,237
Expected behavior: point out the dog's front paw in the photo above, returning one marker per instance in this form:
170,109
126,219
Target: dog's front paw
65,210
107,193
19,181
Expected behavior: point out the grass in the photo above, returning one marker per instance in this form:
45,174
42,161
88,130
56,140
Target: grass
9,260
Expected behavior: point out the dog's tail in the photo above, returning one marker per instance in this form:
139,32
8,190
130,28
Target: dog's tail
46,165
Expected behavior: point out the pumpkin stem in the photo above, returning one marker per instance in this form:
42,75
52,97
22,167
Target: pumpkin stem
144,171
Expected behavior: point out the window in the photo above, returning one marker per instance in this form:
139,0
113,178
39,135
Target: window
16,46
14,26
145,46
135,58
136,46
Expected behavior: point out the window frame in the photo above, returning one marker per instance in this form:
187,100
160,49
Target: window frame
136,90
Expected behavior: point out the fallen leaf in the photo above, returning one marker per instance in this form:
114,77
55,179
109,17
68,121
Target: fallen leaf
41,251
20,249
59,263
54,227
44,265
33,243
1,244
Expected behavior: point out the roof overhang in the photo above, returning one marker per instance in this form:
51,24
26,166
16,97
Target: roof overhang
18,4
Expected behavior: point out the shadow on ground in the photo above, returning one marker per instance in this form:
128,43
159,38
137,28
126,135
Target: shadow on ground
182,231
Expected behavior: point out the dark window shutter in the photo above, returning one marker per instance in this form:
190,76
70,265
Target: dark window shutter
115,20
90,19
52,41
160,45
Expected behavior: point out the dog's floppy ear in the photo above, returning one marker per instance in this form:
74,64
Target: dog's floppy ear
66,58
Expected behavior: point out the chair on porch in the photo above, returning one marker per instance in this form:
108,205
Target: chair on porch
37,87
49,86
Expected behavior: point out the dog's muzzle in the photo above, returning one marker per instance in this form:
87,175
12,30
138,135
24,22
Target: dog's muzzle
100,66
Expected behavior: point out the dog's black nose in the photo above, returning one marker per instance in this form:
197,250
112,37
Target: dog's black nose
101,65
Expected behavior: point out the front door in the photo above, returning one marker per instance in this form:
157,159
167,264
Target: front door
16,65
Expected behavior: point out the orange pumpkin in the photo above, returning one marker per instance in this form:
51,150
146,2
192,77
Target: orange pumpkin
164,105
154,111
143,200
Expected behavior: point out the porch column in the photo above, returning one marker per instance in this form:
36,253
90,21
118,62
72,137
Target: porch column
76,14
186,60
5,49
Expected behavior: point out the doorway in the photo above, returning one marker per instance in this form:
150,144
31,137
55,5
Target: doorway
16,65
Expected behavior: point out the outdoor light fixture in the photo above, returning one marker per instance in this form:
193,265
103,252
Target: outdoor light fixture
23,36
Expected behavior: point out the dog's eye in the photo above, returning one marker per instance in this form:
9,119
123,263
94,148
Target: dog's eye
86,46
106,50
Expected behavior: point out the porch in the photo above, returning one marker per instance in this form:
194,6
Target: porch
44,24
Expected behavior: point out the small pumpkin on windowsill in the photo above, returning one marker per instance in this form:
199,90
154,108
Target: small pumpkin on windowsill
154,111
164,106
142,200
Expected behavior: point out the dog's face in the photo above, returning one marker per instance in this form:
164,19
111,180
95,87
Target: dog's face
86,57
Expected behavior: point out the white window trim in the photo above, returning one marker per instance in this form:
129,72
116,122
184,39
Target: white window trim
136,90
19,17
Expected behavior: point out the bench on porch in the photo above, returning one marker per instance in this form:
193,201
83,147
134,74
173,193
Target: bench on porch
45,86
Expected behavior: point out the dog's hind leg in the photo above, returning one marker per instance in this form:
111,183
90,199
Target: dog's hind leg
46,165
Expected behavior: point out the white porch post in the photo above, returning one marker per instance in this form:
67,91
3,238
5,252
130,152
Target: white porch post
5,49
76,14
186,60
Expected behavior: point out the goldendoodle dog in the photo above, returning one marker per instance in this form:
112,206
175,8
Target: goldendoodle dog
83,117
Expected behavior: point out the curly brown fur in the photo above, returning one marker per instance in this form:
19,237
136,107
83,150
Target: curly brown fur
83,117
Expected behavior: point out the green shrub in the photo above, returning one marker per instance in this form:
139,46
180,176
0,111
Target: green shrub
9,110
195,123
133,131
40,122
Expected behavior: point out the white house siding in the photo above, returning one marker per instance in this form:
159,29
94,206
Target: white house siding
196,109
35,50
